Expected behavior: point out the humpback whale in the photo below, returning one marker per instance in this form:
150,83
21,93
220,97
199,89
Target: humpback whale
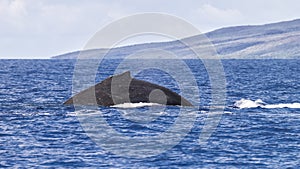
122,88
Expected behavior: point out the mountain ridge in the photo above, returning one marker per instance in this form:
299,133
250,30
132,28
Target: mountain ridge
280,40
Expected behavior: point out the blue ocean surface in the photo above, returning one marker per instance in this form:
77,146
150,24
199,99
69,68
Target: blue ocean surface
259,127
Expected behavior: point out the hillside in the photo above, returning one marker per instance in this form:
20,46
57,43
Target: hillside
277,40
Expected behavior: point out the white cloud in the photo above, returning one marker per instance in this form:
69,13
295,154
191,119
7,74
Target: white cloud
44,17
47,28
17,7
12,13
14,8
211,15
225,15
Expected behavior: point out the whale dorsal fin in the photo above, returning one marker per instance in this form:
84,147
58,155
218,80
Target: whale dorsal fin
123,76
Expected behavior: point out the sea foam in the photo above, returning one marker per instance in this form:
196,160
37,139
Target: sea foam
246,103
135,105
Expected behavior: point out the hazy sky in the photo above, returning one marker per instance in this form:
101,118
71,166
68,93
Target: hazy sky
44,28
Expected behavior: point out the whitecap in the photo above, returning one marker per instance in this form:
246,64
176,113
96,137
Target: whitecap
283,105
245,103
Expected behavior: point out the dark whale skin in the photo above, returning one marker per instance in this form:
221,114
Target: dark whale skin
126,89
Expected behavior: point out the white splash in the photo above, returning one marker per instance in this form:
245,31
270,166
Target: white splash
245,103
283,105
135,105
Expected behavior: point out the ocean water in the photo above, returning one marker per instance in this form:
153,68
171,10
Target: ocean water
258,129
